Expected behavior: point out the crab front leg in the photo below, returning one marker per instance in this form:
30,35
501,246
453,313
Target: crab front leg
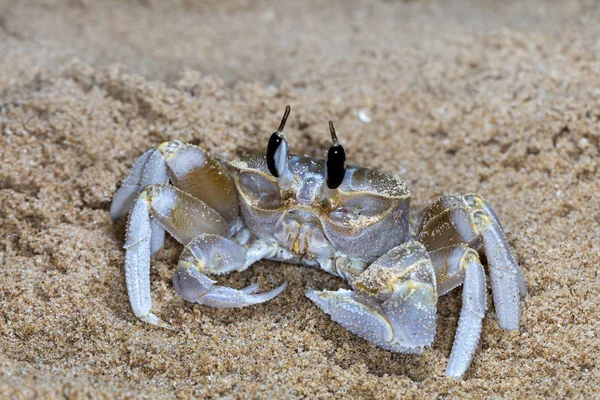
203,201
393,304
455,219
170,208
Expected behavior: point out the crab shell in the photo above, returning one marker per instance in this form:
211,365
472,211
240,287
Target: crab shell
363,218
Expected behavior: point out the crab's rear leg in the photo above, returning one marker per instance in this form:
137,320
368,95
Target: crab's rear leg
131,186
393,304
455,219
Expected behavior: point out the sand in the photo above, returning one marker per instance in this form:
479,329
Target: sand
498,98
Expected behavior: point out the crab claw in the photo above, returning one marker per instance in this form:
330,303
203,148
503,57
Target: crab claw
214,254
224,297
393,304
359,315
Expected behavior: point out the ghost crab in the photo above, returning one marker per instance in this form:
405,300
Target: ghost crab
349,221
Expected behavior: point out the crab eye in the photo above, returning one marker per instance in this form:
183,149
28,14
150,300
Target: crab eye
335,162
277,149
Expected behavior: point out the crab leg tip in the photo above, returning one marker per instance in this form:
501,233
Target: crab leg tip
154,320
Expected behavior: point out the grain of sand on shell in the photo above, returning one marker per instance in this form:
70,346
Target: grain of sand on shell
498,98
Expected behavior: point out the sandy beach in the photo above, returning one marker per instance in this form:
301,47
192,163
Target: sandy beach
500,98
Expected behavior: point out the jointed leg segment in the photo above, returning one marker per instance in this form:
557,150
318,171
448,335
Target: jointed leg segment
189,168
469,219
455,265
452,229
155,209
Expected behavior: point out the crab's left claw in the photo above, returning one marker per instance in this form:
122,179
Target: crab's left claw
394,302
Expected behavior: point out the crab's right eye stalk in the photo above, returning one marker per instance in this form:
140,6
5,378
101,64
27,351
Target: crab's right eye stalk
335,162
277,149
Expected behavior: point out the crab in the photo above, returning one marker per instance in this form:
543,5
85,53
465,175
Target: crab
349,221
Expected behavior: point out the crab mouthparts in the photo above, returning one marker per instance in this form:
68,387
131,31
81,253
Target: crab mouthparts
301,232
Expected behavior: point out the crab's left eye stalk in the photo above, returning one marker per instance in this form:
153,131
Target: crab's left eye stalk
335,162
277,149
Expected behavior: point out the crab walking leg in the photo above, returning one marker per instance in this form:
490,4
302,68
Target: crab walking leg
189,168
149,169
137,263
455,265
157,236
468,219
470,320
130,188
394,301
182,215
216,255
505,276
476,202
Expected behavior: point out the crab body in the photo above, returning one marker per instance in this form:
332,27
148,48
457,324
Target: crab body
316,223
352,222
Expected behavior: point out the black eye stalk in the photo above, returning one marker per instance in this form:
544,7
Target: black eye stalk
335,162
277,149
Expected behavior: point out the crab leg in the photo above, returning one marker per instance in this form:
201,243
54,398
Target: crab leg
455,265
213,254
130,188
469,219
162,206
190,169
394,301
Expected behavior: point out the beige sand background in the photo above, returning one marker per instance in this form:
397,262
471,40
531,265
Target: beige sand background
498,98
